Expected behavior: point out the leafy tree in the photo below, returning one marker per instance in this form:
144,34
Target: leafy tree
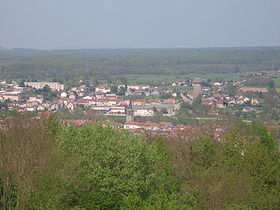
27,155
271,84
122,90
107,166
114,89
197,102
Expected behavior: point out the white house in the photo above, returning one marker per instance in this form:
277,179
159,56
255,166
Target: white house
143,112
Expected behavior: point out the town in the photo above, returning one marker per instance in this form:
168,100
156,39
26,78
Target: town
139,105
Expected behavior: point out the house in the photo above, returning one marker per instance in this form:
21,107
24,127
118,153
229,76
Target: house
191,95
152,101
155,92
231,102
238,96
116,110
255,102
138,102
103,88
220,104
100,95
123,102
170,100
12,97
143,125
39,99
174,95
88,97
30,109
246,99
253,90
111,96
143,112
41,108
217,84
137,87
73,95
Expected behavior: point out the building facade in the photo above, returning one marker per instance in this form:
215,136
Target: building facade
55,86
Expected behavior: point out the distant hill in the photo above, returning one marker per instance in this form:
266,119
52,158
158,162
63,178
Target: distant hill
2,48
66,65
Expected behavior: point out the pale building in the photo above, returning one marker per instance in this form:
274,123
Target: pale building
143,112
55,86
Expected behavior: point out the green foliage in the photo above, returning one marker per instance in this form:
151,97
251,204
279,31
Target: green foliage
114,89
110,166
46,165
271,84
49,195
197,102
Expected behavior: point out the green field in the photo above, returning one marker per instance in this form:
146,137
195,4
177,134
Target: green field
139,79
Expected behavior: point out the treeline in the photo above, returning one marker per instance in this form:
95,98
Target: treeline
47,165
65,65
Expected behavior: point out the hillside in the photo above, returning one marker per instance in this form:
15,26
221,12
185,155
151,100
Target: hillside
67,65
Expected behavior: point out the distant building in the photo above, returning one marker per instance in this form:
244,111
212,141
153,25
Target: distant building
103,89
143,112
253,89
12,97
197,89
220,104
55,86
63,95
129,114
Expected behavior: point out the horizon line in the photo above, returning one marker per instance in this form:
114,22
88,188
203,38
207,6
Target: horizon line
135,48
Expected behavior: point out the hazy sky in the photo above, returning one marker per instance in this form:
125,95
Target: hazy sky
49,24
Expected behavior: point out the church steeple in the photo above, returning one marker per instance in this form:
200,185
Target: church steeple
129,113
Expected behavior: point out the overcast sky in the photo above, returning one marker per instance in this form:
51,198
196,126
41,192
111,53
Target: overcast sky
52,24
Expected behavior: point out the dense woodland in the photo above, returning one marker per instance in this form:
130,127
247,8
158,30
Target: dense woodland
68,65
47,165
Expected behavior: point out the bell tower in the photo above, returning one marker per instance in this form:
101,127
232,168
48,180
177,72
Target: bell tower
129,113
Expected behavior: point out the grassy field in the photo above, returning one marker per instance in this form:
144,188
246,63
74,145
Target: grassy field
159,80
137,79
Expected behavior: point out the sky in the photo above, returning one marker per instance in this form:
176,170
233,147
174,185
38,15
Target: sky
58,24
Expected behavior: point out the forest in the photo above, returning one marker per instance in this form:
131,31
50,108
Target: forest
45,164
69,65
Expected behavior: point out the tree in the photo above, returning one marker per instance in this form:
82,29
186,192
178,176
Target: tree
114,89
271,84
46,89
164,111
122,90
107,166
27,155
197,102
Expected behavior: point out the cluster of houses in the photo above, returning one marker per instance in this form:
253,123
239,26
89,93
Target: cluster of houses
115,99
100,98
214,95
133,101
12,96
